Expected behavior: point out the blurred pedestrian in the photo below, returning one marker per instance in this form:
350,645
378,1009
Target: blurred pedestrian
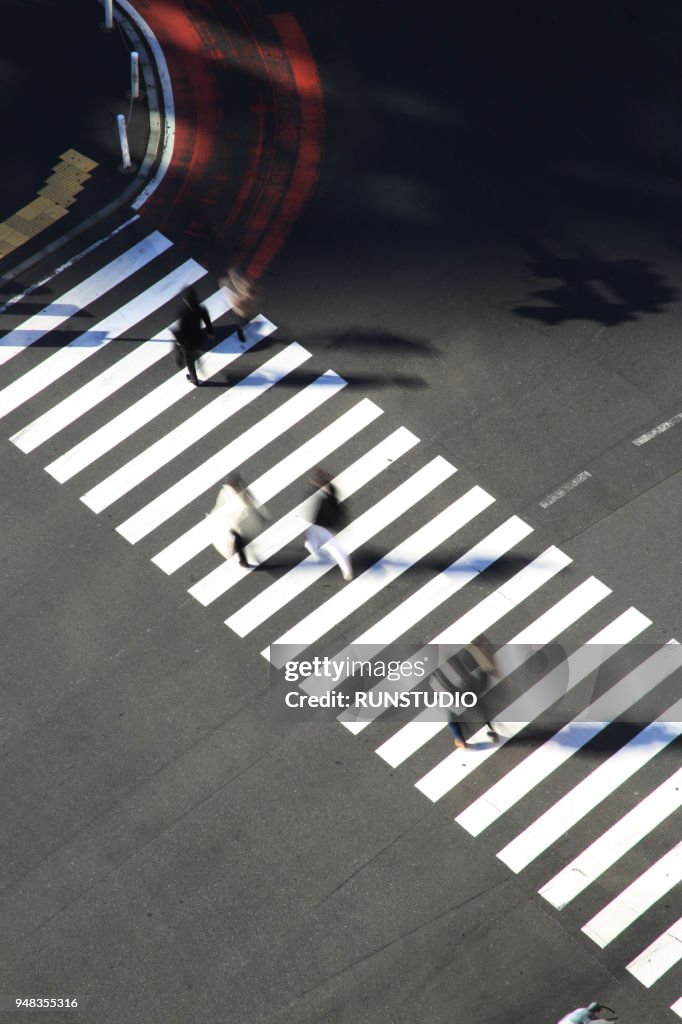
328,518
236,519
189,334
584,1014
242,295
467,671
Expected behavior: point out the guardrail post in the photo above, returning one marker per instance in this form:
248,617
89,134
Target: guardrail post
125,165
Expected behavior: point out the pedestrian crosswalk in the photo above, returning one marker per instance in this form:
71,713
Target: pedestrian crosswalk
584,810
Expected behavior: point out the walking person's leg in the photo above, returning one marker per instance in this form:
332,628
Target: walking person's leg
191,367
457,734
315,537
340,557
239,548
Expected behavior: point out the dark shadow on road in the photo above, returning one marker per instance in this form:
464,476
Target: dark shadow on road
609,292
360,339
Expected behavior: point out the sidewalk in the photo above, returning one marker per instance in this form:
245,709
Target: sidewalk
64,80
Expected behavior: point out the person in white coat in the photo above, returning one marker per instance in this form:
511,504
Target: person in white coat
235,519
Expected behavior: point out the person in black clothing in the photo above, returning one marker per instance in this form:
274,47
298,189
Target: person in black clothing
328,518
189,333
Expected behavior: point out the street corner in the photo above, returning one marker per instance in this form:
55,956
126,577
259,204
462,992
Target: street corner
71,84
247,130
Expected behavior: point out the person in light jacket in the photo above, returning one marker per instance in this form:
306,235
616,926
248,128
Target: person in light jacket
236,519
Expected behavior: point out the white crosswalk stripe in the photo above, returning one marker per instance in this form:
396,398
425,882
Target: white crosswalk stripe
109,381
396,562
82,295
186,434
359,532
264,489
590,792
614,843
632,902
157,401
421,505
292,525
547,758
89,343
658,958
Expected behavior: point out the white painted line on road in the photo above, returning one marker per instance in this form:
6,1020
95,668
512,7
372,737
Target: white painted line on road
651,886
79,297
88,344
477,620
550,755
266,487
467,568
157,401
561,491
106,383
677,1007
241,448
657,959
201,423
360,531
589,793
293,524
660,429
69,263
605,851
380,575
536,700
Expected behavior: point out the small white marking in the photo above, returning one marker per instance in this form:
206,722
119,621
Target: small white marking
660,429
561,491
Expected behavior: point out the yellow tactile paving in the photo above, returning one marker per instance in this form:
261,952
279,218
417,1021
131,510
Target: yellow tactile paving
83,163
58,193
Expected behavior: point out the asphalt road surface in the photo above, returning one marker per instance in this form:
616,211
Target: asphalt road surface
177,847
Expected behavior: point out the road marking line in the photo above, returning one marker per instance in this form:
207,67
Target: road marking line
657,959
79,297
589,793
677,1007
157,401
309,454
106,383
196,426
605,851
539,698
361,530
384,572
550,755
431,595
467,568
634,901
88,344
561,491
660,429
293,524
415,734
241,448
514,654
